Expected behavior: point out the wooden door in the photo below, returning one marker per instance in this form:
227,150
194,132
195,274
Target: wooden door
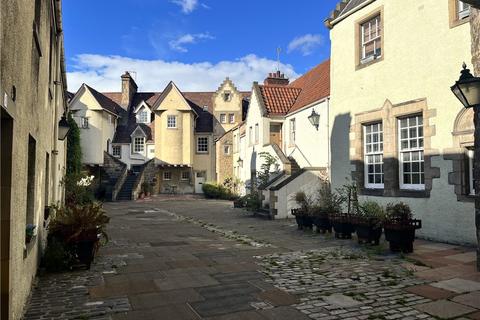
276,134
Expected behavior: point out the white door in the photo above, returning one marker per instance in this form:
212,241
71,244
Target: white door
199,180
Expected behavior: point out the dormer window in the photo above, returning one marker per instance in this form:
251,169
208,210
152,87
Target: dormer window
142,116
227,96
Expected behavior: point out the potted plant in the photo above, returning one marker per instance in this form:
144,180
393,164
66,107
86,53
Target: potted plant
81,228
344,222
369,222
400,227
328,203
303,215
146,189
29,232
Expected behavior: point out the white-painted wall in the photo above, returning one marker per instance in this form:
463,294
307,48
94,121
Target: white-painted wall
130,158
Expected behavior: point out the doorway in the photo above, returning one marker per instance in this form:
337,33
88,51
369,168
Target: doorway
199,181
276,134
6,136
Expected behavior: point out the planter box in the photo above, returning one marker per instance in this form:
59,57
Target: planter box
368,233
401,234
343,225
322,223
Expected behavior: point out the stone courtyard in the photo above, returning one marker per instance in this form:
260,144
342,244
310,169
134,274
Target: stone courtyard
189,258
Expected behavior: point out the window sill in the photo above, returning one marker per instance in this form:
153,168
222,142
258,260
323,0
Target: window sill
366,64
201,152
458,22
395,193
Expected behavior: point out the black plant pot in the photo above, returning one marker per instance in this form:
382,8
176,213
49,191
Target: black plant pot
85,251
402,235
237,204
343,225
299,220
323,224
307,222
368,233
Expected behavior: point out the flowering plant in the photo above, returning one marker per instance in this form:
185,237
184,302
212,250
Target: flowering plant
85,181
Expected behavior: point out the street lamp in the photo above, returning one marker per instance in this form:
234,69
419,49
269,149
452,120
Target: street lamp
240,162
314,119
63,128
467,89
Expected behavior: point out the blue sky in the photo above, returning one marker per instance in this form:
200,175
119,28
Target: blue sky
195,43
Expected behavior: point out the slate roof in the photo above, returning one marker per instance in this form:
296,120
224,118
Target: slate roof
312,86
124,132
343,8
106,103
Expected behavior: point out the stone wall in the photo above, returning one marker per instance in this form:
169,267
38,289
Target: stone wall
224,161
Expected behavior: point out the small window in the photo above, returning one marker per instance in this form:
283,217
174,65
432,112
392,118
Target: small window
292,131
471,180
235,143
138,144
167,175
84,122
205,108
227,96
373,151
226,150
463,10
143,116
231,118
256,133
202,144
223,118
152,150
371,40
171,121
410,140
117,151
201,174
185,175
250,135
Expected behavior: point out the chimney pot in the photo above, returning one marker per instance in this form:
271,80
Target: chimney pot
276,78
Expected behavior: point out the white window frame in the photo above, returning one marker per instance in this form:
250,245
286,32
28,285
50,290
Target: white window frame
202,144
171,122
369,145
463,10
223,118
183,178
376,22
167,175
143,116
471,180
231,117
293,131
115,154
138,147
419,150
84,122
250,135
257,133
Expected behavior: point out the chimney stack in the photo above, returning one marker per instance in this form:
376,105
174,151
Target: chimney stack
277,79
129,88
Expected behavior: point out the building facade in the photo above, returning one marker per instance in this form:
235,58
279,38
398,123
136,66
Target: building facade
32,158
395,126
277,123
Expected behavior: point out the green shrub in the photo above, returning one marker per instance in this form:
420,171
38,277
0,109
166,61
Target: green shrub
399,212
57,256
371,209
74,149
212,190
253,202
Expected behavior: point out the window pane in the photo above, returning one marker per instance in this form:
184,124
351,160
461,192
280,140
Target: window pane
406,179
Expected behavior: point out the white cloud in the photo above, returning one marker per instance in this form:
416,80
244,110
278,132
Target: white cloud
179,44
187,5
306,43
103,72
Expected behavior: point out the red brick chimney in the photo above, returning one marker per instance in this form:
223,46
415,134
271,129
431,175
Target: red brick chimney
277,79
129,88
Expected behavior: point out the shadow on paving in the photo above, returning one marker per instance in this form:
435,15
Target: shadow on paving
199,259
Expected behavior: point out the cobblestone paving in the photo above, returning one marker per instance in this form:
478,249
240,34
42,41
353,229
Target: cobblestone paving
65,295
339,283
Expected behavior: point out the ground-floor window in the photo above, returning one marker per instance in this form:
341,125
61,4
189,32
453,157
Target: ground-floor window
117,151
185,175
373,151
410,139
167,175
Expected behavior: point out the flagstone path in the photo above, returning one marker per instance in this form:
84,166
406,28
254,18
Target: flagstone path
189,258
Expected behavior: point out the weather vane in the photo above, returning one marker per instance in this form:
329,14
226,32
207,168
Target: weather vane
279,50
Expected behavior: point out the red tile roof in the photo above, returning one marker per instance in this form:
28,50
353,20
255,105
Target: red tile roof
278,99
315,86
312,86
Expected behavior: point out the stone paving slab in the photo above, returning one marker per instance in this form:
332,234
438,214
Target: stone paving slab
445,309
470,299
227,290
458,285
278,297
159,299
248,315
173,312
430,292
220,306
283,313
185,281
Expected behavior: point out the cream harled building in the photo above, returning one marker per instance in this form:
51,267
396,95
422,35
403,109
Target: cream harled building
395,126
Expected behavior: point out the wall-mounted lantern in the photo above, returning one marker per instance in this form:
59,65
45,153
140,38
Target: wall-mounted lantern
314,119
240,162
63,128
467,89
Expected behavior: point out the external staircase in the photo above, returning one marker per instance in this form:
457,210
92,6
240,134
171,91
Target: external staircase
125,192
